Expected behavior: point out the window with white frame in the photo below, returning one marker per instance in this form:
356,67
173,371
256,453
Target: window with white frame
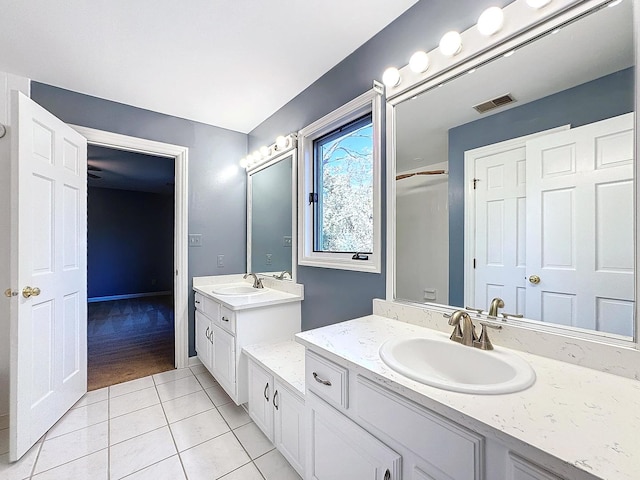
339,194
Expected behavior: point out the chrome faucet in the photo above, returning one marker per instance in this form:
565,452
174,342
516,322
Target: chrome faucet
283,274
465,333
257,282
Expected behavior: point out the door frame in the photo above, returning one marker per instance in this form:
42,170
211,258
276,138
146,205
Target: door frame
181,155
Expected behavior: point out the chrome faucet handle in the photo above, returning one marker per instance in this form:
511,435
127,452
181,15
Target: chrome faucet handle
472,309
512,315
483,342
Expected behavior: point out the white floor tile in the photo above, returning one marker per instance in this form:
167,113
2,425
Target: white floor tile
218,396
214,458
94,396
133,401
132,386
253,440
196,369
171,375
4,421
4,441
274,466
169,469
22,468
187,406
91,467
234,415
206,379
198,429
140,452
178,388
248,472
81,417
71,446
136,423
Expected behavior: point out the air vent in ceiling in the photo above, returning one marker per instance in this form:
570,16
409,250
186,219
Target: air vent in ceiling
494,103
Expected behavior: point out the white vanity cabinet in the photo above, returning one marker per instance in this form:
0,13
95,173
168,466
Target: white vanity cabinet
279,413
221,332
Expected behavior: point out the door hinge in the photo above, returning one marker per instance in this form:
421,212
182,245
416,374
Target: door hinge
474,263
475,182
313,198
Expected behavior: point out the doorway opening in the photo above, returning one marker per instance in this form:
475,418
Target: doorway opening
130,223
157,298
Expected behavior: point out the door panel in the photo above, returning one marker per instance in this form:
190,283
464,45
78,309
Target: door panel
48,324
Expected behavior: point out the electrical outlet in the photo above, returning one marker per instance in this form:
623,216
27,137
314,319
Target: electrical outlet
269,258
286,241
195,239
220,261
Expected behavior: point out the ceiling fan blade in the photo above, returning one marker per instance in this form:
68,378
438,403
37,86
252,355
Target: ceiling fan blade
93,175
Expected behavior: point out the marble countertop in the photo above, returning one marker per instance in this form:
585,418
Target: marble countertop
588,420
269,297
285,360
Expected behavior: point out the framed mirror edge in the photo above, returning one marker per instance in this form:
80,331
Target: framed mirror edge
534,27
292,152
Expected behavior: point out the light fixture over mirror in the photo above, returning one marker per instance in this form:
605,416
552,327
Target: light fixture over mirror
557,250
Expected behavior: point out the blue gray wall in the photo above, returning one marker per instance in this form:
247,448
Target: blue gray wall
334,295
587,103
129,242
217,203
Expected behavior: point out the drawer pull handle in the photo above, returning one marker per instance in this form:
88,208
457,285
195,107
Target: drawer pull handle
197,302
275,396
225,319
387,475
206,334
266,389
319,380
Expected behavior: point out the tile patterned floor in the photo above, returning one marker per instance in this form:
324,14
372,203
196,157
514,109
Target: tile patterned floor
176,425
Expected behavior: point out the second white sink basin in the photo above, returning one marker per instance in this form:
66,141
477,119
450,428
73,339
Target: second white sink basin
238,289
451,366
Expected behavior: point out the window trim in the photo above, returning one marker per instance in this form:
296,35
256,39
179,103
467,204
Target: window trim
368,102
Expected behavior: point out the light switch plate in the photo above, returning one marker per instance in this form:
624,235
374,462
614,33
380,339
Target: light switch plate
286,241
195,239
269,258
220,261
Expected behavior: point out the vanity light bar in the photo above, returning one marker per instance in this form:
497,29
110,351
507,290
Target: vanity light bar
265,154
493,22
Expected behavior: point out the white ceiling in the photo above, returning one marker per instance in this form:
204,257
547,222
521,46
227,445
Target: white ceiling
229,63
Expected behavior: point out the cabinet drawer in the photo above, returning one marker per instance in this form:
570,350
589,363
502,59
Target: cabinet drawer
207,306
327,379
227,319
443,446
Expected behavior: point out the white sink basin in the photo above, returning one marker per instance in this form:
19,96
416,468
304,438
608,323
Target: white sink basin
451,366
238,289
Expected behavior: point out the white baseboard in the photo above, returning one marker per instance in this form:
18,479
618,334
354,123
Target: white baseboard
129,295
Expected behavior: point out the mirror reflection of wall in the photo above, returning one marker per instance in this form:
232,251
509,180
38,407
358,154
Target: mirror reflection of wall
579,78
271,217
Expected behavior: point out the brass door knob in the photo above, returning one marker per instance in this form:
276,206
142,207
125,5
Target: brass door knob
30,292
535,279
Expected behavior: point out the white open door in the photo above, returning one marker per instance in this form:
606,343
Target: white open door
48,248
580,224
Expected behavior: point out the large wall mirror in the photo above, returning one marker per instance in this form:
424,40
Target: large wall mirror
271,217
515,179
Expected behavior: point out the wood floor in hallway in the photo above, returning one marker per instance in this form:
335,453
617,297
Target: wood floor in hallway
129,339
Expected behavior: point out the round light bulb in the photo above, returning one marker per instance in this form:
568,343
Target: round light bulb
244,163
419,62
264,151
391,77
491,21
538,3
256,156
281,142
450,44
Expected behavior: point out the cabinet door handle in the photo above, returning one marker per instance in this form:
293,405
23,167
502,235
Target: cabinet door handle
225,319
319,380
197,302
387,475
275,395
265,393
206,334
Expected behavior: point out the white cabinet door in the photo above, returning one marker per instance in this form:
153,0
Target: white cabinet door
261,394
203,343
519,468
289,431
224,358
339,449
